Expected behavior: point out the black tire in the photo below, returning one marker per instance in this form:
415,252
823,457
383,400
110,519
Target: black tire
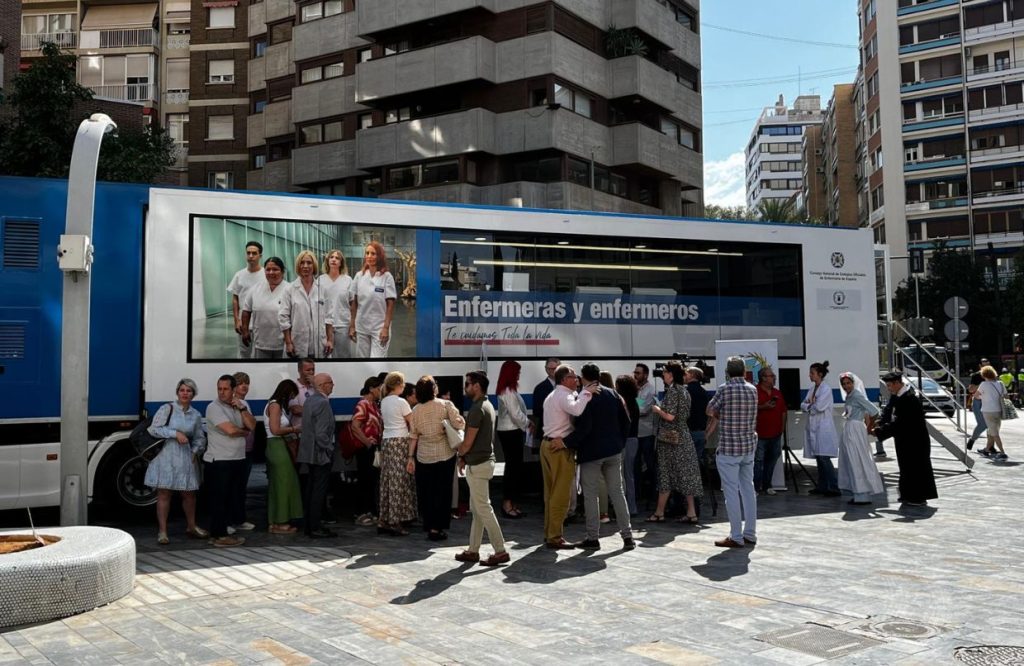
121,478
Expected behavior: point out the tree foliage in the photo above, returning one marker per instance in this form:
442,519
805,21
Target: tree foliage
37,133
991,317
716,212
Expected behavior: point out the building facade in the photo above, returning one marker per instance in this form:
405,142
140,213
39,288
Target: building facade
839,158
567,104
10,40
774,154
810,201
945,128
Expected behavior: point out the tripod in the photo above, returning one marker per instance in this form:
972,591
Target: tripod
791,458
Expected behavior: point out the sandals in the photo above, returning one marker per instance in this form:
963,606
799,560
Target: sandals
655,518
689,520
198,533
161,538
513,513
282,529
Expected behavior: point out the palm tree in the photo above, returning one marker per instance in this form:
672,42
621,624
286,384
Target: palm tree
777,210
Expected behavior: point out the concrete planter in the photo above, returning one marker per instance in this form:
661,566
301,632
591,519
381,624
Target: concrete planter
86,568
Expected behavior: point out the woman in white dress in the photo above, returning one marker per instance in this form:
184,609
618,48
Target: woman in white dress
372,298
822,441
335,283
858,474
304,313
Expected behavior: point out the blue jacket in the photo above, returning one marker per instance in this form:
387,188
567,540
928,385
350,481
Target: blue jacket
601,430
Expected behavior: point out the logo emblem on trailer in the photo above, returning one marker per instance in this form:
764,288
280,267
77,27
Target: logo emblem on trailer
839,297
838,260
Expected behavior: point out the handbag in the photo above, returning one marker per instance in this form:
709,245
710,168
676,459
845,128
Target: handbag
454,435
668,435
376,458
146,445
1009,411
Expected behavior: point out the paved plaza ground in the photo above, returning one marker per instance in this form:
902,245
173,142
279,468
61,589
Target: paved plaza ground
826,582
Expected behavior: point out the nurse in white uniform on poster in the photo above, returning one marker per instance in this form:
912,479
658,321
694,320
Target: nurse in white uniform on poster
372,297
304,314
335,282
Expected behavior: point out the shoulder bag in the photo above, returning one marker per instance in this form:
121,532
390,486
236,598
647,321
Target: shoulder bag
454,435
146,445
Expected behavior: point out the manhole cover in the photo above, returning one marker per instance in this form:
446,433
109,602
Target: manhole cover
899,628
990,655
818,641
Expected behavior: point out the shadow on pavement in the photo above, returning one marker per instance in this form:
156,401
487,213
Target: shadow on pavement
729,563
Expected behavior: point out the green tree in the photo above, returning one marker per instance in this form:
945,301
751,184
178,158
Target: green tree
777,210
44,109
716,212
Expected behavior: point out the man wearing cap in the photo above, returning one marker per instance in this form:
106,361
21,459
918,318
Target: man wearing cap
913,445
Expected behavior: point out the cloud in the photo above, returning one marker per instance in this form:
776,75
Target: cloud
724,181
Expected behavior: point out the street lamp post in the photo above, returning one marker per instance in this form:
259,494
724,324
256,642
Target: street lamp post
74,256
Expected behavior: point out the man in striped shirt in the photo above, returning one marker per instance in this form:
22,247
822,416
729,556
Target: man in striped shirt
733,411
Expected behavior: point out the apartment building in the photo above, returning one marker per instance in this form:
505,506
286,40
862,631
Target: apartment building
774,154
10,38
133,53
839,158
945,128
810,200
561,104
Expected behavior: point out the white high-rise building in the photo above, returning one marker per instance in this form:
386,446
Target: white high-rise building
774,153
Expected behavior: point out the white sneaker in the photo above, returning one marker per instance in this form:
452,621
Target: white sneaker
770,491
245,527
231,530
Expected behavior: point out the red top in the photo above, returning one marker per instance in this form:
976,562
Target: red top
770,421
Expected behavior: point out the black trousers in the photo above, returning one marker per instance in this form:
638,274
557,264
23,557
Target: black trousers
434,492
367,482
512,446
225,484
313,495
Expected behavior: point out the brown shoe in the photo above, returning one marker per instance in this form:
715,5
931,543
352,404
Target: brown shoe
467,556
727,542
496,559
559,544
227,542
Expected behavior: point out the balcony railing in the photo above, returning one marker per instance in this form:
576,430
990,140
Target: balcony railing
1001,192
993,29
975,114
1000,66
176,97
130,92
128,38
64,40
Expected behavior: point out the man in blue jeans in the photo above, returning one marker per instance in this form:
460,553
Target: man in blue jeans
771,424
733,411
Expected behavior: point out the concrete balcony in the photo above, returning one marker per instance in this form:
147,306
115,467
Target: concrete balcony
34,42
277,119
279,9
988,33
277,176
175,98
254,134
995,114
257,19
257,75
1009,194
925,6
988,156
279,62
326,35
538,129
658,21
324,98
550,53
254,180
426,138
323,162
633,75
638,145
454,62
178,42
386,14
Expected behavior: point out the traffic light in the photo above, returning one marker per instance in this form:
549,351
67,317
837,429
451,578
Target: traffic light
916,261
920,327
1016,343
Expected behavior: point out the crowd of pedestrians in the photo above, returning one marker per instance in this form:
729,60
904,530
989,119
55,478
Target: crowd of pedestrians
410,446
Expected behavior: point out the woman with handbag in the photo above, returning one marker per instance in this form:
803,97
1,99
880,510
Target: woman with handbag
678,468
367,429
397,486
431,457
174,468
992,393
284,499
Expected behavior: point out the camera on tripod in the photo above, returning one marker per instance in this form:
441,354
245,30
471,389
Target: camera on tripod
707,370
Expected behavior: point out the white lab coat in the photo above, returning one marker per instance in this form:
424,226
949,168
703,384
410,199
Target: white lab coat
822,438
306,315
264,324
371,293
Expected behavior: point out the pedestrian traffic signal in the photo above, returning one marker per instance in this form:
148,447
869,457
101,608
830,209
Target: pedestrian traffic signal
916,261
920,327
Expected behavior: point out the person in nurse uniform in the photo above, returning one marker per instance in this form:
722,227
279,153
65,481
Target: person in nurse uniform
372,299
305,315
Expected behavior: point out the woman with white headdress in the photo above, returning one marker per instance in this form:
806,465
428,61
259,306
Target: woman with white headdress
858,475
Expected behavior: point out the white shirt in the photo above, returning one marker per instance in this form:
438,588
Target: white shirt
243,281
991,395
263,306
560,407
285,420
336,295
220,446
371,293
512,412
393,410
305,313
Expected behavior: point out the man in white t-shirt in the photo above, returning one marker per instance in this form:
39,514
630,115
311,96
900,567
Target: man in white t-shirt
228,423
244,280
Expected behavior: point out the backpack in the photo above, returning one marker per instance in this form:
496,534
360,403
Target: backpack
145,443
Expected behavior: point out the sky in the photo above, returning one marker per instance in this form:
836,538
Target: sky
743,73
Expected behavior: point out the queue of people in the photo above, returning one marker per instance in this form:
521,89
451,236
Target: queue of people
410,445
323,313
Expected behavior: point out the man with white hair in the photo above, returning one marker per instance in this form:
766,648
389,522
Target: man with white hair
733,410
316,453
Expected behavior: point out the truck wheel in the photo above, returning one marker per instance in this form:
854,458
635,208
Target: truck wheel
122,478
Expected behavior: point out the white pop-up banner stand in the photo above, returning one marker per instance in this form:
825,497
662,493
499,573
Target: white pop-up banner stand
756,354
